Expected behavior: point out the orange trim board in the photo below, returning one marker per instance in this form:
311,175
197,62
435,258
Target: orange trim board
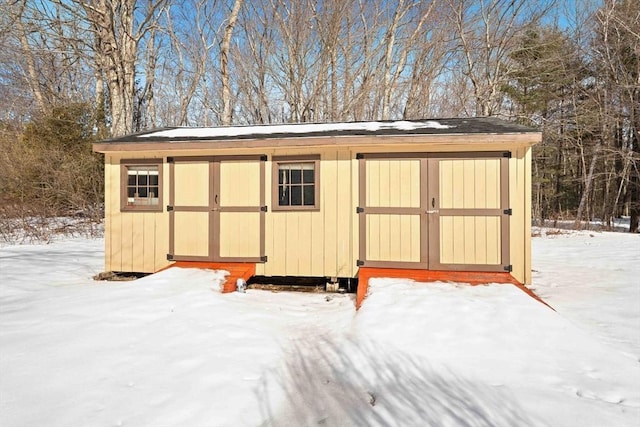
472,278
237,270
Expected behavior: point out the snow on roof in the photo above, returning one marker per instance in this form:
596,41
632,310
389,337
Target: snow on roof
303,128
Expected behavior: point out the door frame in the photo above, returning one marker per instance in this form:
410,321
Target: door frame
214,209
430,215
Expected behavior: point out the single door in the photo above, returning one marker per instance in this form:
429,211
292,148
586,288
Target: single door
393,226
190,208
239,209
469,219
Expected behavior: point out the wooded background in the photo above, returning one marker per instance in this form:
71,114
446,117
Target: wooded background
72,72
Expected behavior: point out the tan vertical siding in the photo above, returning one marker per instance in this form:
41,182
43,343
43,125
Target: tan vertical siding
134,241
108,212
527,218
137,236
480,183
329,190
315,243
192,183
306,243
148,242
393,238
470,240
344,208
239,187
127,241
494,244
193,238
293,247
325,242
261,268
161,236
355,225
470,184
520,197
239,183
240,234
115,218
393,183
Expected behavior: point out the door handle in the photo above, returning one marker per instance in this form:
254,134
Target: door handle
216,200
433,205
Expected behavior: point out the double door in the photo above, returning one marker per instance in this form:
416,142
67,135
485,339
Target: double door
217,208
444,211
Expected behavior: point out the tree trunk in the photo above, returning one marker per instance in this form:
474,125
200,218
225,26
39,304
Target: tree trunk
225,47
33,80
584,200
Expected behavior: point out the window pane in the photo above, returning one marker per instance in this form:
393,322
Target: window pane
296,176
142,185
296,183
309,195
296,196
308,176
283,196
283,176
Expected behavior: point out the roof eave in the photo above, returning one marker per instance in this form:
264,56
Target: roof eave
517,138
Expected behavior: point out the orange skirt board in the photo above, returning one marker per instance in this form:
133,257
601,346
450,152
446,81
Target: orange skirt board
245,271
237,270
472,278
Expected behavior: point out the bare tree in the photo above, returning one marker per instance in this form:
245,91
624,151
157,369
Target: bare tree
486,32
255,53
617,61
118,34
193,38
225,47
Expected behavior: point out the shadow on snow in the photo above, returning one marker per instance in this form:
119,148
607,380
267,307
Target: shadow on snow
347,383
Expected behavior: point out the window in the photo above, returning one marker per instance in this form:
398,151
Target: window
295,183
141,186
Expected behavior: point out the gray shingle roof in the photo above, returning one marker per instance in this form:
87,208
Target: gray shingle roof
450,126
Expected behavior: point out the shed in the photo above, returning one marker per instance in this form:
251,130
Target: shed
447,196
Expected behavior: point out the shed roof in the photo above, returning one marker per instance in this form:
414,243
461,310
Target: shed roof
426,127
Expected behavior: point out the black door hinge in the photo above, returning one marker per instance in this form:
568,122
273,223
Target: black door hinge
263,209
359,210
507,154
263,158
170,160
169,208
508,268
263,258
359,263
169,257
508,211
359,156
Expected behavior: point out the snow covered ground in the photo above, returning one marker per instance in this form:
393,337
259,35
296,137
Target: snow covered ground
170,350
